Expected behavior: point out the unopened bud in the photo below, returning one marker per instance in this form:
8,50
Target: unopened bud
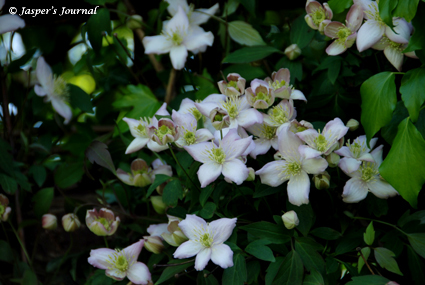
70,222
4,209
134,22
322,180
175,236
49,222
251,175
290,220
292,52
352,124
158,205
153,244
333,159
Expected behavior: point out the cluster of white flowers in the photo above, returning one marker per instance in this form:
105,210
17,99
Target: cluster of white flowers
374,33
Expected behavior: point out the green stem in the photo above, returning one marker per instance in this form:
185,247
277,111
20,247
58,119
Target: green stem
388,224
106,242
22,245
175,158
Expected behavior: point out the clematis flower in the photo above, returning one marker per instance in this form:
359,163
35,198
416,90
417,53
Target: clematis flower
4,209
195,17
235,85
121,263
366,178
326,141
243,135
393,51
301,126
178,38
318,16
141,175
10,23
294,167
221,159
53,88
187,106
355,153
174,235
280,84
281,115
102,223
206,241
259,95
266,138
163,131
187,128
345,35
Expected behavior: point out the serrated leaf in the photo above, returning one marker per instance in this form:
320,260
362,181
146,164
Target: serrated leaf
259,249
369,235
411,90
366,252
385,259
235,275
301,34
172,192
249,54
403,166
96,24
417,241
272,232
378,102
244,34
42,201
98,152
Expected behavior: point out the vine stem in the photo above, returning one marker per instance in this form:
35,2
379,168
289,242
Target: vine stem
172,264
365,261
106,242
170,86
178,162
22,245
384,223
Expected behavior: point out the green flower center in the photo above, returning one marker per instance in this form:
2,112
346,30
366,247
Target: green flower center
231,107
60,89
292,168
190,138
233,84
163,131
318,16
217,155
119,261
218,117
206,240
268,132
141,129
2,210
356,149
176,38
301,129
195,112
262,96
104,222
321,143
343,34
369,171
277,84
279,115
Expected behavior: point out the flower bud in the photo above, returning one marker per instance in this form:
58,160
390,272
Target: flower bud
70,222
333,159
134,22
166,132
4,209
251,175
290,220
49,222
322,180
175,236
158,205
102,223
235,85
153,244
292,52
352,124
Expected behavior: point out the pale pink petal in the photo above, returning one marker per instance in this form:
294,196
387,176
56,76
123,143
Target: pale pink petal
328,11
332,29
249,117
312,6
202,259
349,41
236,148
132,125
349,165
309,20
99,257
9,23
163,169
401,33
39,90
208,173
162,111
308,135
200,151
336,48
262,146
235,170
355,17
366,157
139,273
299,189
307,152
154,146
134,250
344,151
314,165
365,4
178,55
222,229
377,154
191,225
381,189
115,273
411,54
369,34
222,255
271,173
203,135
44,73
206,108
200,18
63,109
124,177
394,56
335,128
136,144
157,44
289,143
355,190
282,74
297,95
158,229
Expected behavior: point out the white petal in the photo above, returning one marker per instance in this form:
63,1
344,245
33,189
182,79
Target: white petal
188,249
200,18
136,144
344,151
307,152
236,148
173,6
377,154
99,257
162,111
39,90
203,135
222,229
157,44
198,38
235,170
209,172
178,23
192,225
202,259
369,34
381,189
115,273
271,173
9,23
355,17
154,146
335,129
249,117
366,157
336,48
289,143
44,74
134,250
124,177
314,165
355,190
157,230
402,31
63,109
299,189
297,95
222,255
349,165
262,146
200,151
394,56
178,55
139,273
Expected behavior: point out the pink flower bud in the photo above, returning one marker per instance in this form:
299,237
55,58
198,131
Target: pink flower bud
102,223
49,222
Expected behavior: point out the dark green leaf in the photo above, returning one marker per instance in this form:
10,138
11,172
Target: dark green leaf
249,6
366,252
246,71
16,64
311,259
8,184
406,9
249,54
42,201
244,34
259,249
96,25
253,269
273,269
390,131
338,6
315,278
386,8
369,235
208,210
326,233
305,215
235,275
416,267
210,280
68,174
417,241
159,179
385,259
411,90
173,270
417,41
369,280
273,233
30,278
172,192
6,160
301,34
205,194
38,173
80,99
291,271
98,152
6,253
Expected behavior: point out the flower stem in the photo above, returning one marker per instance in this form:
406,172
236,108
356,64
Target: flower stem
365,261
175,158
170,86
106,242
22,245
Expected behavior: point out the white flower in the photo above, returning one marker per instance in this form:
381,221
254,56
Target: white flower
281,115
206,241
187,125
366,179
54,88
121,263
195,17
9,23
290,220
355,153
178,38
266,138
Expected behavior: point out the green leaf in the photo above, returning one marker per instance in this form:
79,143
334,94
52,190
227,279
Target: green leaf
390,131
291,271
249,6
417,41
235,275
244,34
311,259
173,270
80,99
411,90
29,278
385,259
38,173
272,232
326,233
208,210
8,184
338,6
406,9
305,215
98,152
249,54
42,201
315,278
294,66
68,174
369,280
205,194
403,166
6,253
259,249
386,8
417,241
210,280
369,235
6,160
172,192
366,252
253,269
273,269
416,267
378,102
96,25
301,34
159,179
16,64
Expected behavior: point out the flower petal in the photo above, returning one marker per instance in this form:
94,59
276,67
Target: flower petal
39,90
355,190
188,249
314,165
115,274
307,152
197,39
178,55
209,172
192,225
344,151
249,117
297,95
157,230
222,229
44,74
377,154
349,165
312,5
394,56
382,189
157,44
289,143
236,148
271,173
99,257
136,144
200,18
202,259
299,189
203,135
355,17
235,170
401,29
369,34
154,146
134,250
333,28
9,23
139,273
336,48
200,151
222,255
173,6
63,109
262,146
